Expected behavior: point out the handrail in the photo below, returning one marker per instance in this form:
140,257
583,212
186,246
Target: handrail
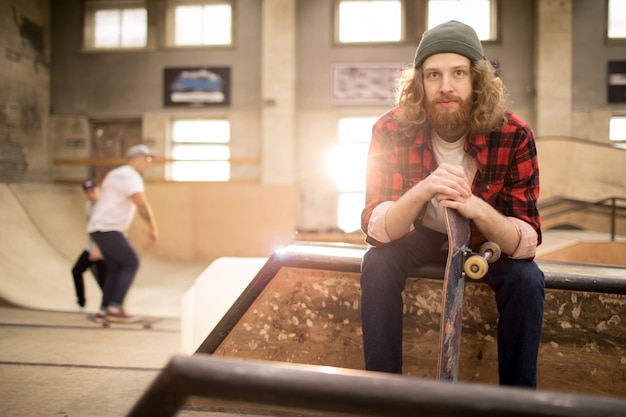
579,205
616,145
353,392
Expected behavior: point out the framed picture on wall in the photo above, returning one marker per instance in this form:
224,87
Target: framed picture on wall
365,83
196,86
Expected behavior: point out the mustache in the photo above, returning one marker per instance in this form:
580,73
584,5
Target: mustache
448,98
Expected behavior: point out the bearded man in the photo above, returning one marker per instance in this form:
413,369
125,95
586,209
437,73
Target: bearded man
451,142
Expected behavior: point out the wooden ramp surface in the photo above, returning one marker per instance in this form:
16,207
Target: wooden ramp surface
305,309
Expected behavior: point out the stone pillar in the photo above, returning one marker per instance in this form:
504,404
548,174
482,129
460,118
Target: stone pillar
278,89
554,68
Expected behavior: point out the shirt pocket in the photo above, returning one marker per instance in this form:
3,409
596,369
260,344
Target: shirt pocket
490,190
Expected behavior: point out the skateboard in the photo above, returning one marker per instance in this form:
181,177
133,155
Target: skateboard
143,322
461,262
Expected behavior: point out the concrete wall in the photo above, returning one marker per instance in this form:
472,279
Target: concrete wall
581,170
590,111
24,89
205,221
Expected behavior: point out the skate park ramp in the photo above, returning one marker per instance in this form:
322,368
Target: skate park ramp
43,233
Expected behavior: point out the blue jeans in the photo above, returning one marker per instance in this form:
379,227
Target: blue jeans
519,292
122,264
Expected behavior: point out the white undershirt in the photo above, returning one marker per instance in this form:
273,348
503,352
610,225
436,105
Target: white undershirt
451,153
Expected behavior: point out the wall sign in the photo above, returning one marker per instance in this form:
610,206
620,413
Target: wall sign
365,83
196,86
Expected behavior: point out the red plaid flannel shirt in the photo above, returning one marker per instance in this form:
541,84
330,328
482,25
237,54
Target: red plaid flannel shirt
507,175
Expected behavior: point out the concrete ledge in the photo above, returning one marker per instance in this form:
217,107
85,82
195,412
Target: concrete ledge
251,275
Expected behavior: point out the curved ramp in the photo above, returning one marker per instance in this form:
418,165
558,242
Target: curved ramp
43,232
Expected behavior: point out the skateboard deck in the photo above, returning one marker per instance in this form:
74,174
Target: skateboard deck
461,262
142,322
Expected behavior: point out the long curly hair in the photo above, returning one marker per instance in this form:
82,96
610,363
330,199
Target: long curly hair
488,107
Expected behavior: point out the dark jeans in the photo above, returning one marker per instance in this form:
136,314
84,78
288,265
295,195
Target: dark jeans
98,269
519,292
122,264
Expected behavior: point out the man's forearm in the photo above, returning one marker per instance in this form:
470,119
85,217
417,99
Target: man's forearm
145,212
497,228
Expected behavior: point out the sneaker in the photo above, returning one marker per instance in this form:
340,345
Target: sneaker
119,315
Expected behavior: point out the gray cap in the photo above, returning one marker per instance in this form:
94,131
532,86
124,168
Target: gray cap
452,36
139,150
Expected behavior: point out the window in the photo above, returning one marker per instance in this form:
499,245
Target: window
616,19
617,128
479,14
346,164
200,23
200,150
116,25
369,21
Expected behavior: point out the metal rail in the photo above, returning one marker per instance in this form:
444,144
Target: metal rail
610,203
352,392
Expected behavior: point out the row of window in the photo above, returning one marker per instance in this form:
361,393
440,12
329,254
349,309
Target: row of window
202,159
115,25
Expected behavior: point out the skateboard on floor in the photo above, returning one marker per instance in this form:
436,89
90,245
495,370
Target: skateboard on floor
143,322
461,262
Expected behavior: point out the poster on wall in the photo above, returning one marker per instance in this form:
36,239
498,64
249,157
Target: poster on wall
365,83
617,82
196,86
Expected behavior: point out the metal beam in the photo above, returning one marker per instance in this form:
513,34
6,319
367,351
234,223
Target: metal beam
329,389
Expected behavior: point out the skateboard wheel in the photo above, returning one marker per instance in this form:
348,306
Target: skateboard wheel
476,267
491,251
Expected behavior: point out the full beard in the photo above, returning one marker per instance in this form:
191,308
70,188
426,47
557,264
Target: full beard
449,125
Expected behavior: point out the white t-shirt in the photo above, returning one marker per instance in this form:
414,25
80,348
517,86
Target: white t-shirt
453,154
115,210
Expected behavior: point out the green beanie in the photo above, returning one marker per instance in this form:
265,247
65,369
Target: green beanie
453,37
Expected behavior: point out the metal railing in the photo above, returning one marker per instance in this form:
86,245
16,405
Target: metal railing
612,204
352,392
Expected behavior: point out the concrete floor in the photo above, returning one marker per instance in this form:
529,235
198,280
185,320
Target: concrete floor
61,364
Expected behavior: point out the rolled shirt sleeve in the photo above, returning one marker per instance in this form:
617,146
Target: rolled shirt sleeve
528,240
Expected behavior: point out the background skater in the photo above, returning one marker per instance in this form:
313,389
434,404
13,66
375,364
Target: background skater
122,194
90,258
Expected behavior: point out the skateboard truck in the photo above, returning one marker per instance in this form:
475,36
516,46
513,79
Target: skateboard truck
476,265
